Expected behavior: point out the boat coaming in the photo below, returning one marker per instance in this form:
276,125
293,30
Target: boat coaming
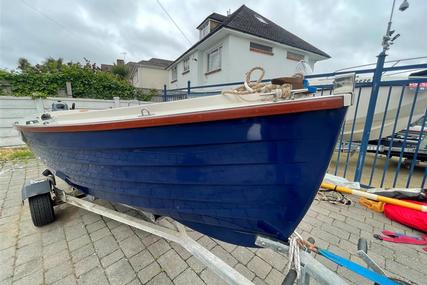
230,178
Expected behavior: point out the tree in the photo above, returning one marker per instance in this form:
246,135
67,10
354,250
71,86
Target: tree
120,70
23,64
52,65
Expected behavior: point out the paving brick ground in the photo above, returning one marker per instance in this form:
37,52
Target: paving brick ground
84,248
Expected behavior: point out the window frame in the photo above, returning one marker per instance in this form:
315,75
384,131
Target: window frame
186,63
295,56
205,29
174,76
209,68
261,48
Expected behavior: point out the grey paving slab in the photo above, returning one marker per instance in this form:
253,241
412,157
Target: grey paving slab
172,263
94,277
160,279
120,272
86,264
260,267
131,245
188,277
112,258
146,274
85,248
141,260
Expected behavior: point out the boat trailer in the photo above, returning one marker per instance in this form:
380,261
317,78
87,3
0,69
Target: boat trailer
43,195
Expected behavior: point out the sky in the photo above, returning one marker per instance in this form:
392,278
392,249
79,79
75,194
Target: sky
104,30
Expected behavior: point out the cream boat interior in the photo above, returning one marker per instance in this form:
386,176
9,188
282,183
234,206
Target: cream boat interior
201,104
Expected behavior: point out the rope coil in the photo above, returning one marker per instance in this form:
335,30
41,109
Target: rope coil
258,87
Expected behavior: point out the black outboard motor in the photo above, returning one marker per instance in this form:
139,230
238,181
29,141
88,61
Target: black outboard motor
59,106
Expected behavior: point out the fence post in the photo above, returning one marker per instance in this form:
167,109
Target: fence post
39,104
164,93
69,89
116,102
188,88
376,81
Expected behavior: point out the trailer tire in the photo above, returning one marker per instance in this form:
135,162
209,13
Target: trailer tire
41,209
362,244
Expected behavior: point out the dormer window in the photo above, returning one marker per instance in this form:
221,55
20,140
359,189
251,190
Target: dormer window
204,29
208,26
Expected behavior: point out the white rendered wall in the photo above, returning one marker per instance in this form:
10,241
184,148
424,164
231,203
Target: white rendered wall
182,77
243,59
236,60
151,78
198,67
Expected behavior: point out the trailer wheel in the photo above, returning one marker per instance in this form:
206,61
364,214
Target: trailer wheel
41,209
362,244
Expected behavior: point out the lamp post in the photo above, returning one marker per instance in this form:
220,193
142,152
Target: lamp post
376,81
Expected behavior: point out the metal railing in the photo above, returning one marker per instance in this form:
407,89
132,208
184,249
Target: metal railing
396,158
396,155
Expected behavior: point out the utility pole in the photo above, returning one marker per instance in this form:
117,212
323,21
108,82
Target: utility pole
376,82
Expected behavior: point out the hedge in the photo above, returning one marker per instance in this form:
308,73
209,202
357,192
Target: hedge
87,81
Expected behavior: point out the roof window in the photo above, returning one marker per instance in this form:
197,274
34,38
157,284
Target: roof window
261,19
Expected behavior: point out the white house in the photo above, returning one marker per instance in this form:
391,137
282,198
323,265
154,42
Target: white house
150,74
231,45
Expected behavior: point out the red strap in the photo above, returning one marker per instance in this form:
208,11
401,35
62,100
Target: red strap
402,238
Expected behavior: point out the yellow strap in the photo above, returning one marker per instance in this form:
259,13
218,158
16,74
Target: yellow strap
375,197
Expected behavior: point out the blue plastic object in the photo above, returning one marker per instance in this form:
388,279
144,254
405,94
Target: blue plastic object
307,86
368,274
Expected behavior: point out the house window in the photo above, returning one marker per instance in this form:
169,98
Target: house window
204,30
260,48
294,56
174,73
186,65
261,19
214,59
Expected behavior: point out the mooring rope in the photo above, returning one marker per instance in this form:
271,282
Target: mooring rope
332,197
294,261
253,87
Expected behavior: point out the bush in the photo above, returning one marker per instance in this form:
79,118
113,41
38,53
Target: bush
121,71
87,80
145,95
38,94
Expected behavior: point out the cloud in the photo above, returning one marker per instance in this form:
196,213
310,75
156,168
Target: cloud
101,30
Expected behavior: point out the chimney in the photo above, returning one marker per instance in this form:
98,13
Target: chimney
120,62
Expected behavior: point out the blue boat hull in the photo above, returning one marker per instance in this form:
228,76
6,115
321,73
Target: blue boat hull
231,179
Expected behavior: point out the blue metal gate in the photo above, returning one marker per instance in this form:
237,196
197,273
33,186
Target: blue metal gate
396,153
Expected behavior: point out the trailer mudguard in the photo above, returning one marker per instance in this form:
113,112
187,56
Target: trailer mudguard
35,187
